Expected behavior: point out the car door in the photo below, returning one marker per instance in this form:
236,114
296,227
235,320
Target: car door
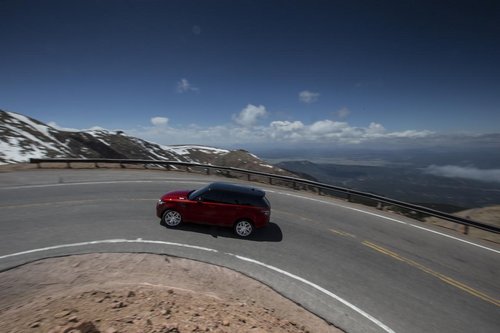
206,208
191,210
218,208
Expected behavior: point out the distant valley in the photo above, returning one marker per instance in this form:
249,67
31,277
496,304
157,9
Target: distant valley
407,176
406,184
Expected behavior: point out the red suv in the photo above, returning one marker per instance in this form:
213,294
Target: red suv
240,207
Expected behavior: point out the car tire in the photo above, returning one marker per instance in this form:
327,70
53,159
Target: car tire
171,218
243,228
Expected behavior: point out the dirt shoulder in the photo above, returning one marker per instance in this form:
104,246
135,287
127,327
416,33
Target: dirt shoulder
113,293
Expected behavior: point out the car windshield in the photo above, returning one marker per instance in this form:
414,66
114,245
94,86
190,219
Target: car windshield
196,193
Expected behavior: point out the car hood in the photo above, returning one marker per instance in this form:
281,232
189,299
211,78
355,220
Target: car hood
177,195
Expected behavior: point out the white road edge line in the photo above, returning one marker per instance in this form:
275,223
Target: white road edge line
388,218
106,241
140,240
321,289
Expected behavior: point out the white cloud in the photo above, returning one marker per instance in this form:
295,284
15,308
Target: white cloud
184,86
343,112
246,129
327,126
335,132
283,130
159,121
410,134
308,97
375,130
249,115
453,171
286,126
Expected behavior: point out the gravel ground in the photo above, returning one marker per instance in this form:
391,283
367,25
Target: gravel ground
113,293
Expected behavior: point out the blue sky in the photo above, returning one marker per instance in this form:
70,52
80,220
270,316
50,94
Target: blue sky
256,72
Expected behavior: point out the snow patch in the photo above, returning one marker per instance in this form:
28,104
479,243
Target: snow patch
267,166
187,149
38,127
12,152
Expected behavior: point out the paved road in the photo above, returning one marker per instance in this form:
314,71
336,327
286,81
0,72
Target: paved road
361,269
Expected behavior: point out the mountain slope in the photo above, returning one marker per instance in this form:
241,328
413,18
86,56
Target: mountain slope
22,138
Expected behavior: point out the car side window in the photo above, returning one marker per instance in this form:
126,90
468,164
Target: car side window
215,196
247,200
251,200
227,197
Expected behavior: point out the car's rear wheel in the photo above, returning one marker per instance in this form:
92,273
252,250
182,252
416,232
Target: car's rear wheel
171,218
243,228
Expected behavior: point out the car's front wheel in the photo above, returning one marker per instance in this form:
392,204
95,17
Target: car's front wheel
171,218
243,228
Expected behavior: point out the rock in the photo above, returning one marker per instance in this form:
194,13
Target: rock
170,328
119,305
88,327
85,327
62,314
257,330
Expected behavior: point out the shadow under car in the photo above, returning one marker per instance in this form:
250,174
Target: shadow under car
270,233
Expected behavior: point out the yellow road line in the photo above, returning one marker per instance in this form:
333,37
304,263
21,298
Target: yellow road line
440,276
342,233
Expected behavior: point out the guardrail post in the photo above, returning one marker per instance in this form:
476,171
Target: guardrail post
207,171
68,165
168,167
349,197
96,165
379,205
248,177
188,169
271,180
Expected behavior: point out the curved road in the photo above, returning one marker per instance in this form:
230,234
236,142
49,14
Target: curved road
361,269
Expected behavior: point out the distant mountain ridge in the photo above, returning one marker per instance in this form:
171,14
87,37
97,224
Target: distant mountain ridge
22,138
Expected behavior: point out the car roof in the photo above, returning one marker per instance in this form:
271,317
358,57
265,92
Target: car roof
237,188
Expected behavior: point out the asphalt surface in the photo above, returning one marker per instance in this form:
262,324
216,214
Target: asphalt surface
361,269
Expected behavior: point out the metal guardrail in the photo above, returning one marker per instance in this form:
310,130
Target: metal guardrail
350,193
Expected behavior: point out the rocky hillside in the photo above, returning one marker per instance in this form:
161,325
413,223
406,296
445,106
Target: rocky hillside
22,138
